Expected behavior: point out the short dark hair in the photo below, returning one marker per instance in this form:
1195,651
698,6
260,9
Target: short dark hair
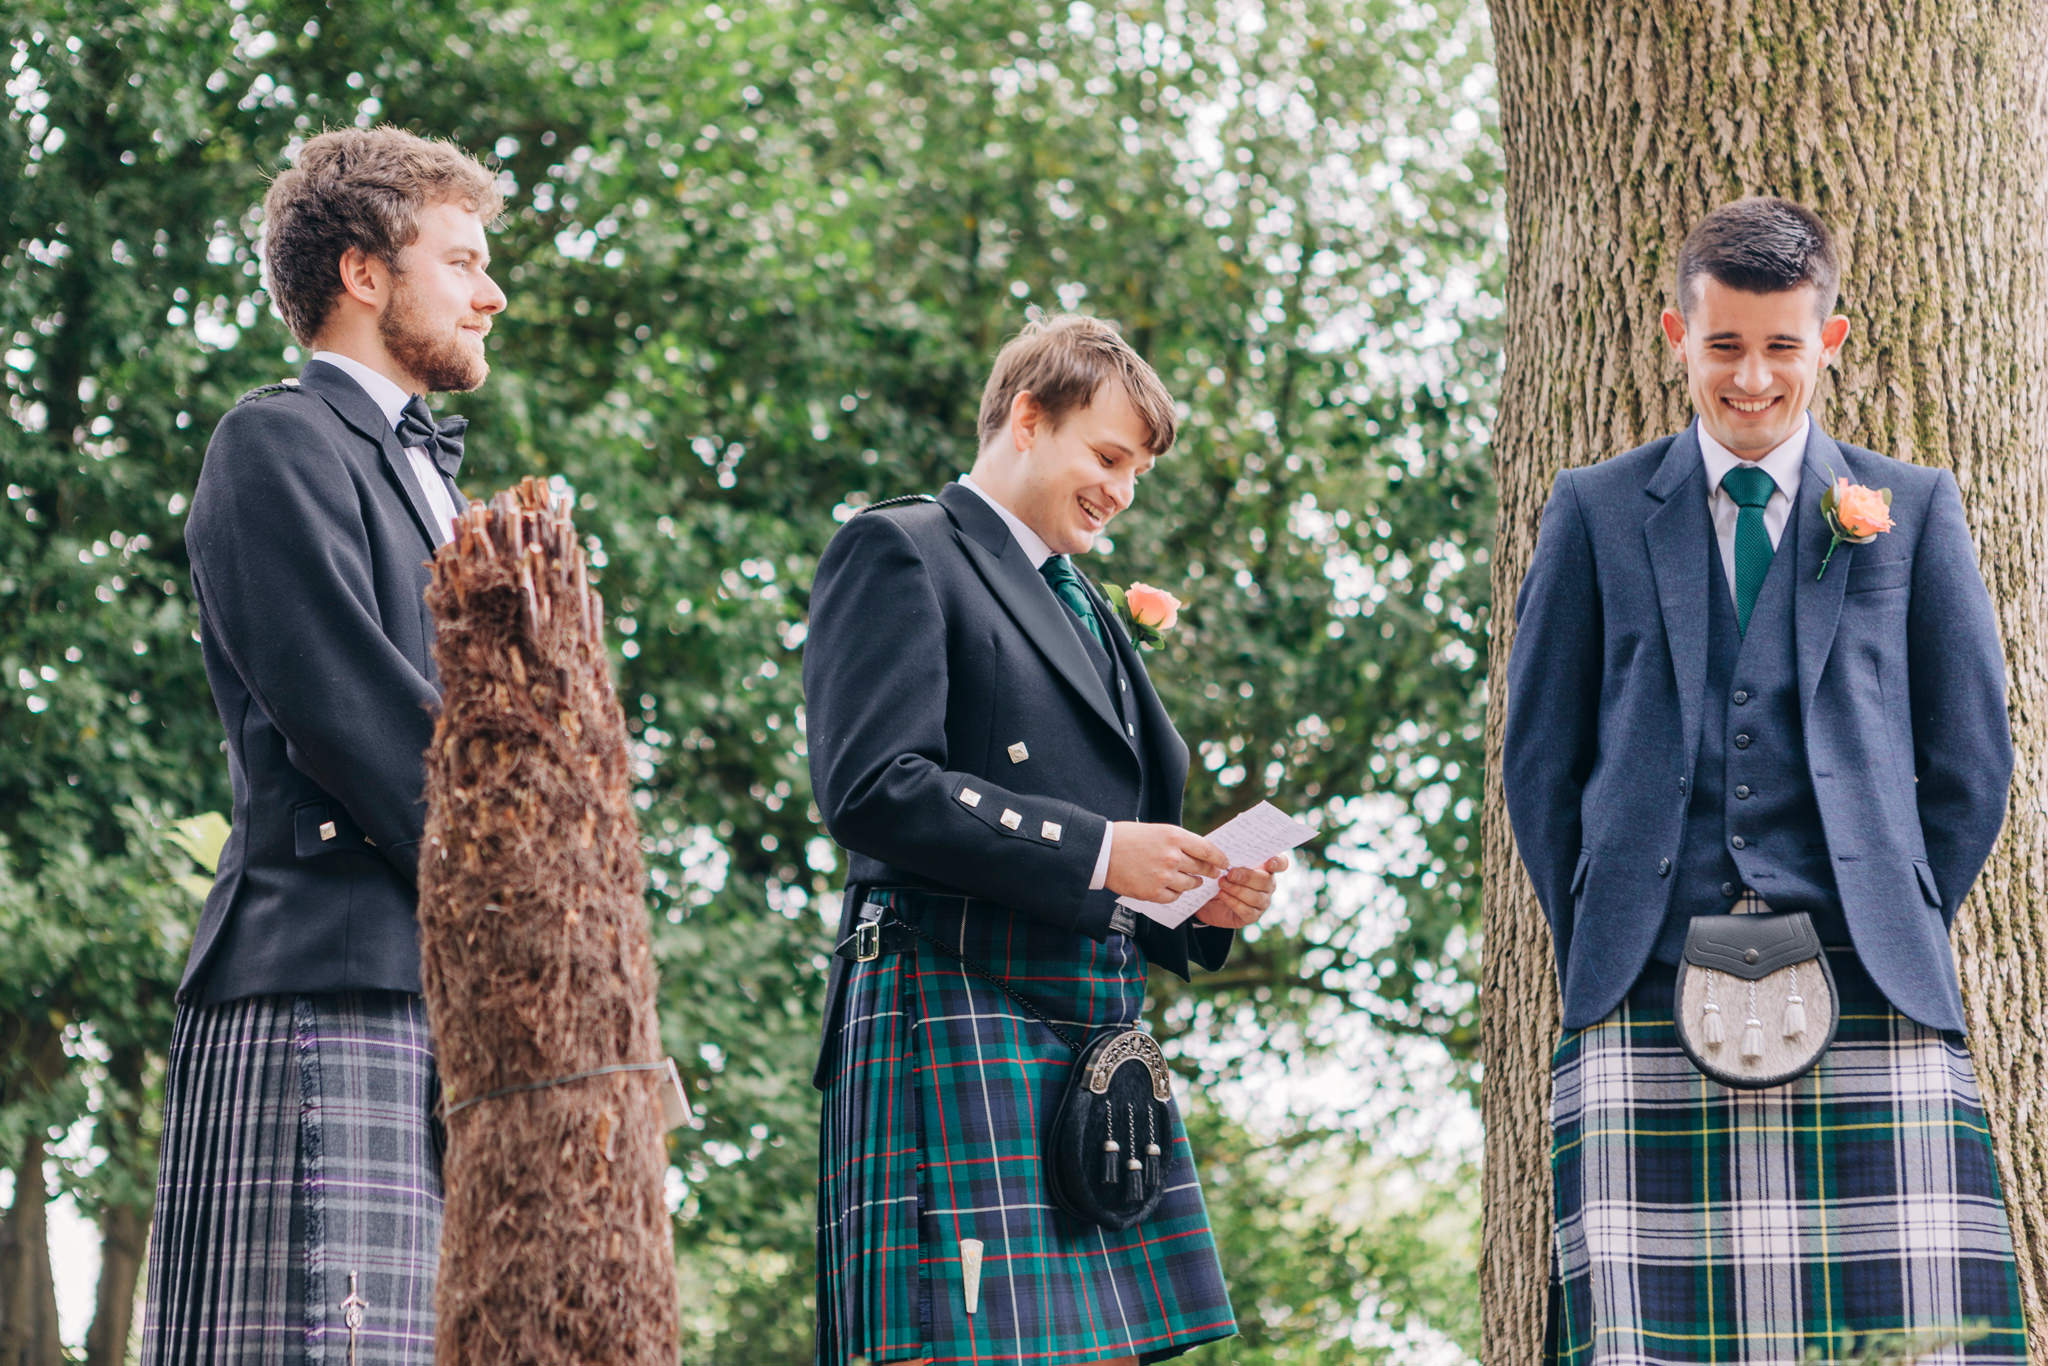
1760,245
1062,359
359,188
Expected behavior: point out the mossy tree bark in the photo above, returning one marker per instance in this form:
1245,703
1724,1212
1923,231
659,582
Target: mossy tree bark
1919,133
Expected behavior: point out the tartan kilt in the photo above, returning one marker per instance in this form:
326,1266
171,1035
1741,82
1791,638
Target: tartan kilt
1854,1208
300,1158
931,1133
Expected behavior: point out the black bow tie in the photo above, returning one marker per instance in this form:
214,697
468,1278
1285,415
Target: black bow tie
443,439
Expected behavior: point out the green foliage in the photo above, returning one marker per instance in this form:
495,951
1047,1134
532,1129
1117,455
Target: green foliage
758,259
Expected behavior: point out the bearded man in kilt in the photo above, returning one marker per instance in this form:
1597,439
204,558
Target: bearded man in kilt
298,1209
986,745
1727,696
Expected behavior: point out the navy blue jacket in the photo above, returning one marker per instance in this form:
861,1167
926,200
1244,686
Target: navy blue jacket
1901,699
309,541
934,646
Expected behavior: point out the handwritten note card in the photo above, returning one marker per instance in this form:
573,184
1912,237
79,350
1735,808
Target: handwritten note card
1247,840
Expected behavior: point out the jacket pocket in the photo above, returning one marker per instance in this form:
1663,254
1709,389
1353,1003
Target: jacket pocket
323,828
1868,578
1927,887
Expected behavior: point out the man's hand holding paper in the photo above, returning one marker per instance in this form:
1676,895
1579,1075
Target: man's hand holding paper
1169,874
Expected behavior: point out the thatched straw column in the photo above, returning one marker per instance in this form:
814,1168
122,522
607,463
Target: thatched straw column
538,972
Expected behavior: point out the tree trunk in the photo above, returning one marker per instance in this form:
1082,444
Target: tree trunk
1917,132
123,1234
124,1226
28,1292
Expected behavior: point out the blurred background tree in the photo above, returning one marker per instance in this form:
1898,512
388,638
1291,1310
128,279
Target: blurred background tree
758,260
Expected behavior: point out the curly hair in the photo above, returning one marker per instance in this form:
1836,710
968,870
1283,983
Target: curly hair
359,188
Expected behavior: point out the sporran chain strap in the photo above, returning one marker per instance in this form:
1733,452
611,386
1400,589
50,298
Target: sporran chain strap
998,983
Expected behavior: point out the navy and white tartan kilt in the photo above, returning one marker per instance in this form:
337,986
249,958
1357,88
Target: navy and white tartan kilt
299,1164
1852,1209
931,1133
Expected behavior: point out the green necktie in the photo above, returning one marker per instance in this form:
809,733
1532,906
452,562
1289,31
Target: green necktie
1751,488
1065,582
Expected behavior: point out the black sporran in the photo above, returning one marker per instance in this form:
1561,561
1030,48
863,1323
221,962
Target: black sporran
1106,1153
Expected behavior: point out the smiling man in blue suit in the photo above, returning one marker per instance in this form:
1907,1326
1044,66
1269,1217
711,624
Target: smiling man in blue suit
1707,712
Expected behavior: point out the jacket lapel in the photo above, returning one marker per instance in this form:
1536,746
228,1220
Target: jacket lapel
361,412
1817,601
1155,727
1016,583
1679,538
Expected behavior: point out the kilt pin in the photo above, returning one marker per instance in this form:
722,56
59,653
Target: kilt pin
969,746
1695,728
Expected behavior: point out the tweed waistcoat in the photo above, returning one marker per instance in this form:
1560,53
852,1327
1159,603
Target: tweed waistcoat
1752,821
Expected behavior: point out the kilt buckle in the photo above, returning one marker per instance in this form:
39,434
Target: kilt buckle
867,941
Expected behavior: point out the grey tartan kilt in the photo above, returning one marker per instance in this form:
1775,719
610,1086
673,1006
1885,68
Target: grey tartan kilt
299,1185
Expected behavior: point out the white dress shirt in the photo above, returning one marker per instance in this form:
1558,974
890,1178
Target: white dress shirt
1782,464
391,401
1034,547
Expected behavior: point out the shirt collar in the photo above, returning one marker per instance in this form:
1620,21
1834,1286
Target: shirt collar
389,398
1029,541
1782,464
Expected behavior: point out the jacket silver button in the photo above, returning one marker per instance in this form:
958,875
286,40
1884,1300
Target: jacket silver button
1663,867
1740,697
1742,792
1742,741
1739,842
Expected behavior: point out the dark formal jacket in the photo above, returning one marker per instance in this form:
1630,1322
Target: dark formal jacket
309,539
962,739
1897,692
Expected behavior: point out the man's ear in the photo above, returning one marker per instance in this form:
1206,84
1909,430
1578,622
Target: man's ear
1833,333
1673,323
363,277
1026,417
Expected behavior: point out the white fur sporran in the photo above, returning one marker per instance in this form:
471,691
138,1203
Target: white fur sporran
1755,1003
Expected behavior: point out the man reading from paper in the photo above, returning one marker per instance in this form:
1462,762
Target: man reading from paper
1000,813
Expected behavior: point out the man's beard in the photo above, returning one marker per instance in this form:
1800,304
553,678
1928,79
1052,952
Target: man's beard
442,364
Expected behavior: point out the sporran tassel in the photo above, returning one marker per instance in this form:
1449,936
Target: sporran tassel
1134,1170
1795,1009
1710,1025
1110,1149
1753,1040
1152,1153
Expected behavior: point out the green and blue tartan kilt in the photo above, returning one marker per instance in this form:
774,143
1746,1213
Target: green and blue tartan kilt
1854,1208
299,1163
931,1133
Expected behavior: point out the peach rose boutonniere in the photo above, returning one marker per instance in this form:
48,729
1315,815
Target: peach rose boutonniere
1854,513
1147,613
